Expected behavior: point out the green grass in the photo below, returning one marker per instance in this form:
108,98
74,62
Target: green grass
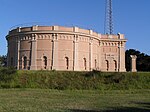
56,91
10,78
47,100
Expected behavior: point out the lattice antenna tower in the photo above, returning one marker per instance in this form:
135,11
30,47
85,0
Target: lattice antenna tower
108,28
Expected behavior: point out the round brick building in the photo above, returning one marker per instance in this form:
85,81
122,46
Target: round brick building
65,48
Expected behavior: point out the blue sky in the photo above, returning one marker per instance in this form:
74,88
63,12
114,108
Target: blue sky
131,17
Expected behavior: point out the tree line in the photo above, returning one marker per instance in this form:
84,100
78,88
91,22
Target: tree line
3,60
143,60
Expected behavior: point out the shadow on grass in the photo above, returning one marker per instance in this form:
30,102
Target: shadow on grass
142,107
126,109
80,110
144,104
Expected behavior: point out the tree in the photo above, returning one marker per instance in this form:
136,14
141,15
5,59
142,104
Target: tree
3,61
143,60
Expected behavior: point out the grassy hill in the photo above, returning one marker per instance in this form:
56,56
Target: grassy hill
56,91
11,78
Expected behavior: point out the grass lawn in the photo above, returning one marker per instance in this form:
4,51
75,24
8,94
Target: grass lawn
46,100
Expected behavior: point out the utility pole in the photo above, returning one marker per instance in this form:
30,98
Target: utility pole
108,28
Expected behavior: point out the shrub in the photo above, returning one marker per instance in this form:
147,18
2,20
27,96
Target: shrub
7,74
10,78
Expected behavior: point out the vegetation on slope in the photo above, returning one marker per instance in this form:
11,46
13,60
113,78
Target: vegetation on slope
11,78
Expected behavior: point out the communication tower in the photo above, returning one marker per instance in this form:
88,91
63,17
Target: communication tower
108,28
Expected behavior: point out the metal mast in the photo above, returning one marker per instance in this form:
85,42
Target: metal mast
108,18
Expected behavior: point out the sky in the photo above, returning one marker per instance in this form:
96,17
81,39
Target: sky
130,17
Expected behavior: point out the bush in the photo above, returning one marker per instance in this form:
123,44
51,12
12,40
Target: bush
7,74
10,78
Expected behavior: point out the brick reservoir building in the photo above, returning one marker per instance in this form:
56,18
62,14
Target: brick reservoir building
65,49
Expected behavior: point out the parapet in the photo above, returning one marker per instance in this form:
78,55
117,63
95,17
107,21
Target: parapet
73,30
53,28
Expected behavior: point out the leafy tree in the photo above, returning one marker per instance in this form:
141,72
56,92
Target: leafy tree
3,61
143,60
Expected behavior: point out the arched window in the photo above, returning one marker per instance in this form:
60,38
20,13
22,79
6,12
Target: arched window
84,62
11,61
115,65
107,65
24,62
95,64
45,61
67,62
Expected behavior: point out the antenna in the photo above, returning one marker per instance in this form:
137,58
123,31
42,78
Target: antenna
108,28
